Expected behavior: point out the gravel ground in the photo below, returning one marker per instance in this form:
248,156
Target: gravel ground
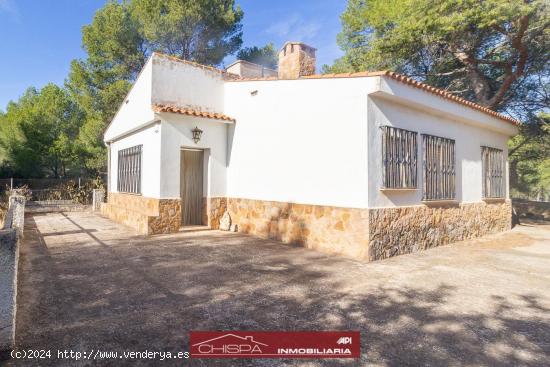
87,283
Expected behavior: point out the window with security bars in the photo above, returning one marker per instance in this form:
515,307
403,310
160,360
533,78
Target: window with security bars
492,161
129,170
399,157
439,168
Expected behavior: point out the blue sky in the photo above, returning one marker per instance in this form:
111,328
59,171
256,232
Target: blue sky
39,38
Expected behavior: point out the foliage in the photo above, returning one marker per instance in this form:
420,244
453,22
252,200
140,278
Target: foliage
37,134
121,37
22,190
70,190
265,56
529,158
59,132
493,52
204,31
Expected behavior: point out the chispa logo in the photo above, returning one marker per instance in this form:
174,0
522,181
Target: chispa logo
273,344
230,344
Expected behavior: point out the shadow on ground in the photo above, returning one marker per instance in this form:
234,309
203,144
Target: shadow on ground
88,284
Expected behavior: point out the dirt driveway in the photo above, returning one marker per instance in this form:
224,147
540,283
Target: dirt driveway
87,283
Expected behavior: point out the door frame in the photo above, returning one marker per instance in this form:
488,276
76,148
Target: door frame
205,183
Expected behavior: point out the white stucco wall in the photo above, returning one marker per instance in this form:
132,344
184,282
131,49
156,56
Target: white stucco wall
440,106
184,85
176,134
136,109
313,141
299,141
149,137
468,138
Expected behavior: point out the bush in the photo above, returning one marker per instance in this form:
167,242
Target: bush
69,190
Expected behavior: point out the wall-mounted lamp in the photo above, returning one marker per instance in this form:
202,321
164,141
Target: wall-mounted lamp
196,134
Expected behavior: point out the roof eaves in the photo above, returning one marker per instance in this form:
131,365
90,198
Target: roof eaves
442,93
400,78
157,107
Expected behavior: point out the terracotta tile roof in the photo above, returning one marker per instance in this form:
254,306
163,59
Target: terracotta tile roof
190,112
443,93
403,79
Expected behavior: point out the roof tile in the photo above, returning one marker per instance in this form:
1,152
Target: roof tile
401,78
157,107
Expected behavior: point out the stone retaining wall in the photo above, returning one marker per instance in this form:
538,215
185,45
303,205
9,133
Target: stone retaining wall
55,206
532,209
396,231
10,237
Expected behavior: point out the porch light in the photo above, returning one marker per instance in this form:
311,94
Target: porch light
196,134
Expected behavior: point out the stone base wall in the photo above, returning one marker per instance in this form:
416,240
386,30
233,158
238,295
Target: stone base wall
154,216
214,208
396,231
325,228
169,218
368,234
146,215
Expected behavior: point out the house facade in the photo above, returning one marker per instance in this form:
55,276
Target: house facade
368,165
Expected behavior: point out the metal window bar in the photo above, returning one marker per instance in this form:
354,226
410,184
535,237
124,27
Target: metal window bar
399,157
129,170
492,161
438,168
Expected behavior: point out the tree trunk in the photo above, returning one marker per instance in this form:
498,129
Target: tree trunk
514,174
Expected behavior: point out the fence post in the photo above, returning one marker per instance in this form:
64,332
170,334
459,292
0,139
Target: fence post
79,183
11,183
98,197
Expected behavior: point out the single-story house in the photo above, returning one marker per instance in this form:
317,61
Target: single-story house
367,164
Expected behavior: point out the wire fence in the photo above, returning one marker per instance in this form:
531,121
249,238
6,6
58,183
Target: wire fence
78,190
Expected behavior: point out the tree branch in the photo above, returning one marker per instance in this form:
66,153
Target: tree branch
478,81
511,75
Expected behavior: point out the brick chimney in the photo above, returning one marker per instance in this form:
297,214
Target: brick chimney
296,59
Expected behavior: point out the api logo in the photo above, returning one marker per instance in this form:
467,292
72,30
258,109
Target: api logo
344,340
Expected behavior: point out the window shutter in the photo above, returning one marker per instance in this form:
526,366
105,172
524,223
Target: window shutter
129,170
399,157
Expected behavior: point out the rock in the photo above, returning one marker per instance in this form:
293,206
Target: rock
234,228
225,222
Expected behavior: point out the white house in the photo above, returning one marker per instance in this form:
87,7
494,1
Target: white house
369,164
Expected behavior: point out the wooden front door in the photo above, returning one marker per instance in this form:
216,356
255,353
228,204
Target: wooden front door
191,177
